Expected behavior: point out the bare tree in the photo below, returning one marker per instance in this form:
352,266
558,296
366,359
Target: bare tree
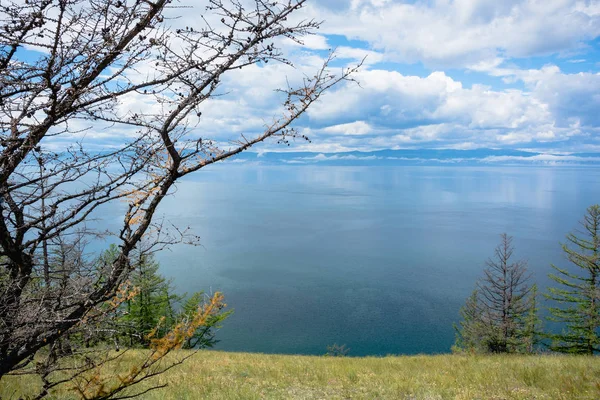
69,66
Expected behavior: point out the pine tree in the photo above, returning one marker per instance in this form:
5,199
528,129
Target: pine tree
154,305
157,309
495,316
532,333
579,292
471,332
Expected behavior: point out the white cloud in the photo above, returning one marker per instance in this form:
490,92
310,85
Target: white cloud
367,56
424,108
573,99
313,42
544,106
352,128
463,32
542,158
335,157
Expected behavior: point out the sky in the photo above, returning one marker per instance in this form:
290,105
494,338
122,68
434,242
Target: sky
438,74
462,74
443,74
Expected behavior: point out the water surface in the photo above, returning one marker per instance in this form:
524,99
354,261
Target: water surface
377,258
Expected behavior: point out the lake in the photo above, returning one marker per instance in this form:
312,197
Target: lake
377,258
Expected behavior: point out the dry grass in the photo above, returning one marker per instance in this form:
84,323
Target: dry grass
221,375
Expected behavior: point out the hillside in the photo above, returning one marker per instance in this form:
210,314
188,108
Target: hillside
220,375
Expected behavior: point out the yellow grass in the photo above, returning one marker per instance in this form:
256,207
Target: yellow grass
221,375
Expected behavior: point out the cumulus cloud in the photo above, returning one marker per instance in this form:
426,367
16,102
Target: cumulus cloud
313,42
572,98
433,106
351,128
462,32
435,109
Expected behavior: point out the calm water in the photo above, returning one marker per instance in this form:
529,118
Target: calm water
377,258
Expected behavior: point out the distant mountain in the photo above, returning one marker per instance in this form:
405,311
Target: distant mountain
421,157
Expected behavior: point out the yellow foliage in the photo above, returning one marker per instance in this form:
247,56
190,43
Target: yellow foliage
95,385
184,330
123,294
137,197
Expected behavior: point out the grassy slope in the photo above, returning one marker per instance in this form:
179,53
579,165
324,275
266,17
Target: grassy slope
220,375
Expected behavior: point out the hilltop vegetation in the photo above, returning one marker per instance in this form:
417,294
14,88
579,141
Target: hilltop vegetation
220,375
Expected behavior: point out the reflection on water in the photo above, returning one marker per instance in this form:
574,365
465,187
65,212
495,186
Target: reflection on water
377,258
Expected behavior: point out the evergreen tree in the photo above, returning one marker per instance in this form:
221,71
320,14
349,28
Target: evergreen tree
495,317
472,332
153,306
579,292
532,333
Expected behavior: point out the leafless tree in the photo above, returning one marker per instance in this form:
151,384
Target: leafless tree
70,66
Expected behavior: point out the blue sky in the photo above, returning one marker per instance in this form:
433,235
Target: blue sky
439,74
448,74
463,74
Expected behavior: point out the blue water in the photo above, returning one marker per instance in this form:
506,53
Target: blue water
377,258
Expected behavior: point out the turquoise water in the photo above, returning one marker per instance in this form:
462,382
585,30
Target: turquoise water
377,258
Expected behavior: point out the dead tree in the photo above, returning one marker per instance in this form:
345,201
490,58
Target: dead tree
69,66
